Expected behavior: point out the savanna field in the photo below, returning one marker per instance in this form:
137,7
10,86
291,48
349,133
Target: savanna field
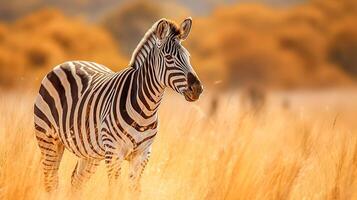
295,137
299,145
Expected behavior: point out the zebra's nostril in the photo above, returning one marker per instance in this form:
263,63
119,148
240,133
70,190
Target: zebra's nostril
195,89
192,79
200,89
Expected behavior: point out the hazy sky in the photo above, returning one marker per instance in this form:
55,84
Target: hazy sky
95,9
201,7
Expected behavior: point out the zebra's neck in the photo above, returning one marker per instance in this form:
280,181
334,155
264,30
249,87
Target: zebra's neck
149,87
139,96
139,92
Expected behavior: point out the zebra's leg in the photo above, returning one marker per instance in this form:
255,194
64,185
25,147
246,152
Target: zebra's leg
83,171
137,166
51,151
113,157
113,164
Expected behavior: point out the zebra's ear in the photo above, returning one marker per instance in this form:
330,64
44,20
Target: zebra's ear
162,29
185,28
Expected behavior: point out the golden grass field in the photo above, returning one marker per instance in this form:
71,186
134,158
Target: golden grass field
305,151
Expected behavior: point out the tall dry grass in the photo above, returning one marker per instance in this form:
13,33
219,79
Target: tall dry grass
307,150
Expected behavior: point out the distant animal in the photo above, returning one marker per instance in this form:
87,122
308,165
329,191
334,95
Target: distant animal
286,104
254,98
214,106
98,114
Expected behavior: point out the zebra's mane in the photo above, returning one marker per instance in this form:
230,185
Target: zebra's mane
147,43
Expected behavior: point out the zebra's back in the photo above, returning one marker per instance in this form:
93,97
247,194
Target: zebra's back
70,104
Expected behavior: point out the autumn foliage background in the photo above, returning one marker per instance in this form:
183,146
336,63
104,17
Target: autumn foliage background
310,44
276,120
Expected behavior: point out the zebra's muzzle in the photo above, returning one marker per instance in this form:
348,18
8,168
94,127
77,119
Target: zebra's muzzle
194,88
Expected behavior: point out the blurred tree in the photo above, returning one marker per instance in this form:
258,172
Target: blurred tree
32,45
311,44
335,10
305,42
10,10
129,22
257,44
343,46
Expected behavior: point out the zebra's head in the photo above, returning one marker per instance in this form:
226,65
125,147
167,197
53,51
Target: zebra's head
173,60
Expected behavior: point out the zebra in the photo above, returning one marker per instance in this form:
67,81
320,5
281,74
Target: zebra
98,114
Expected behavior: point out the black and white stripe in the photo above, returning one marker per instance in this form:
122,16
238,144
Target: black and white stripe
98,114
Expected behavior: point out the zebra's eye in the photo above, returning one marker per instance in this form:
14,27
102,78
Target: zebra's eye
169,57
